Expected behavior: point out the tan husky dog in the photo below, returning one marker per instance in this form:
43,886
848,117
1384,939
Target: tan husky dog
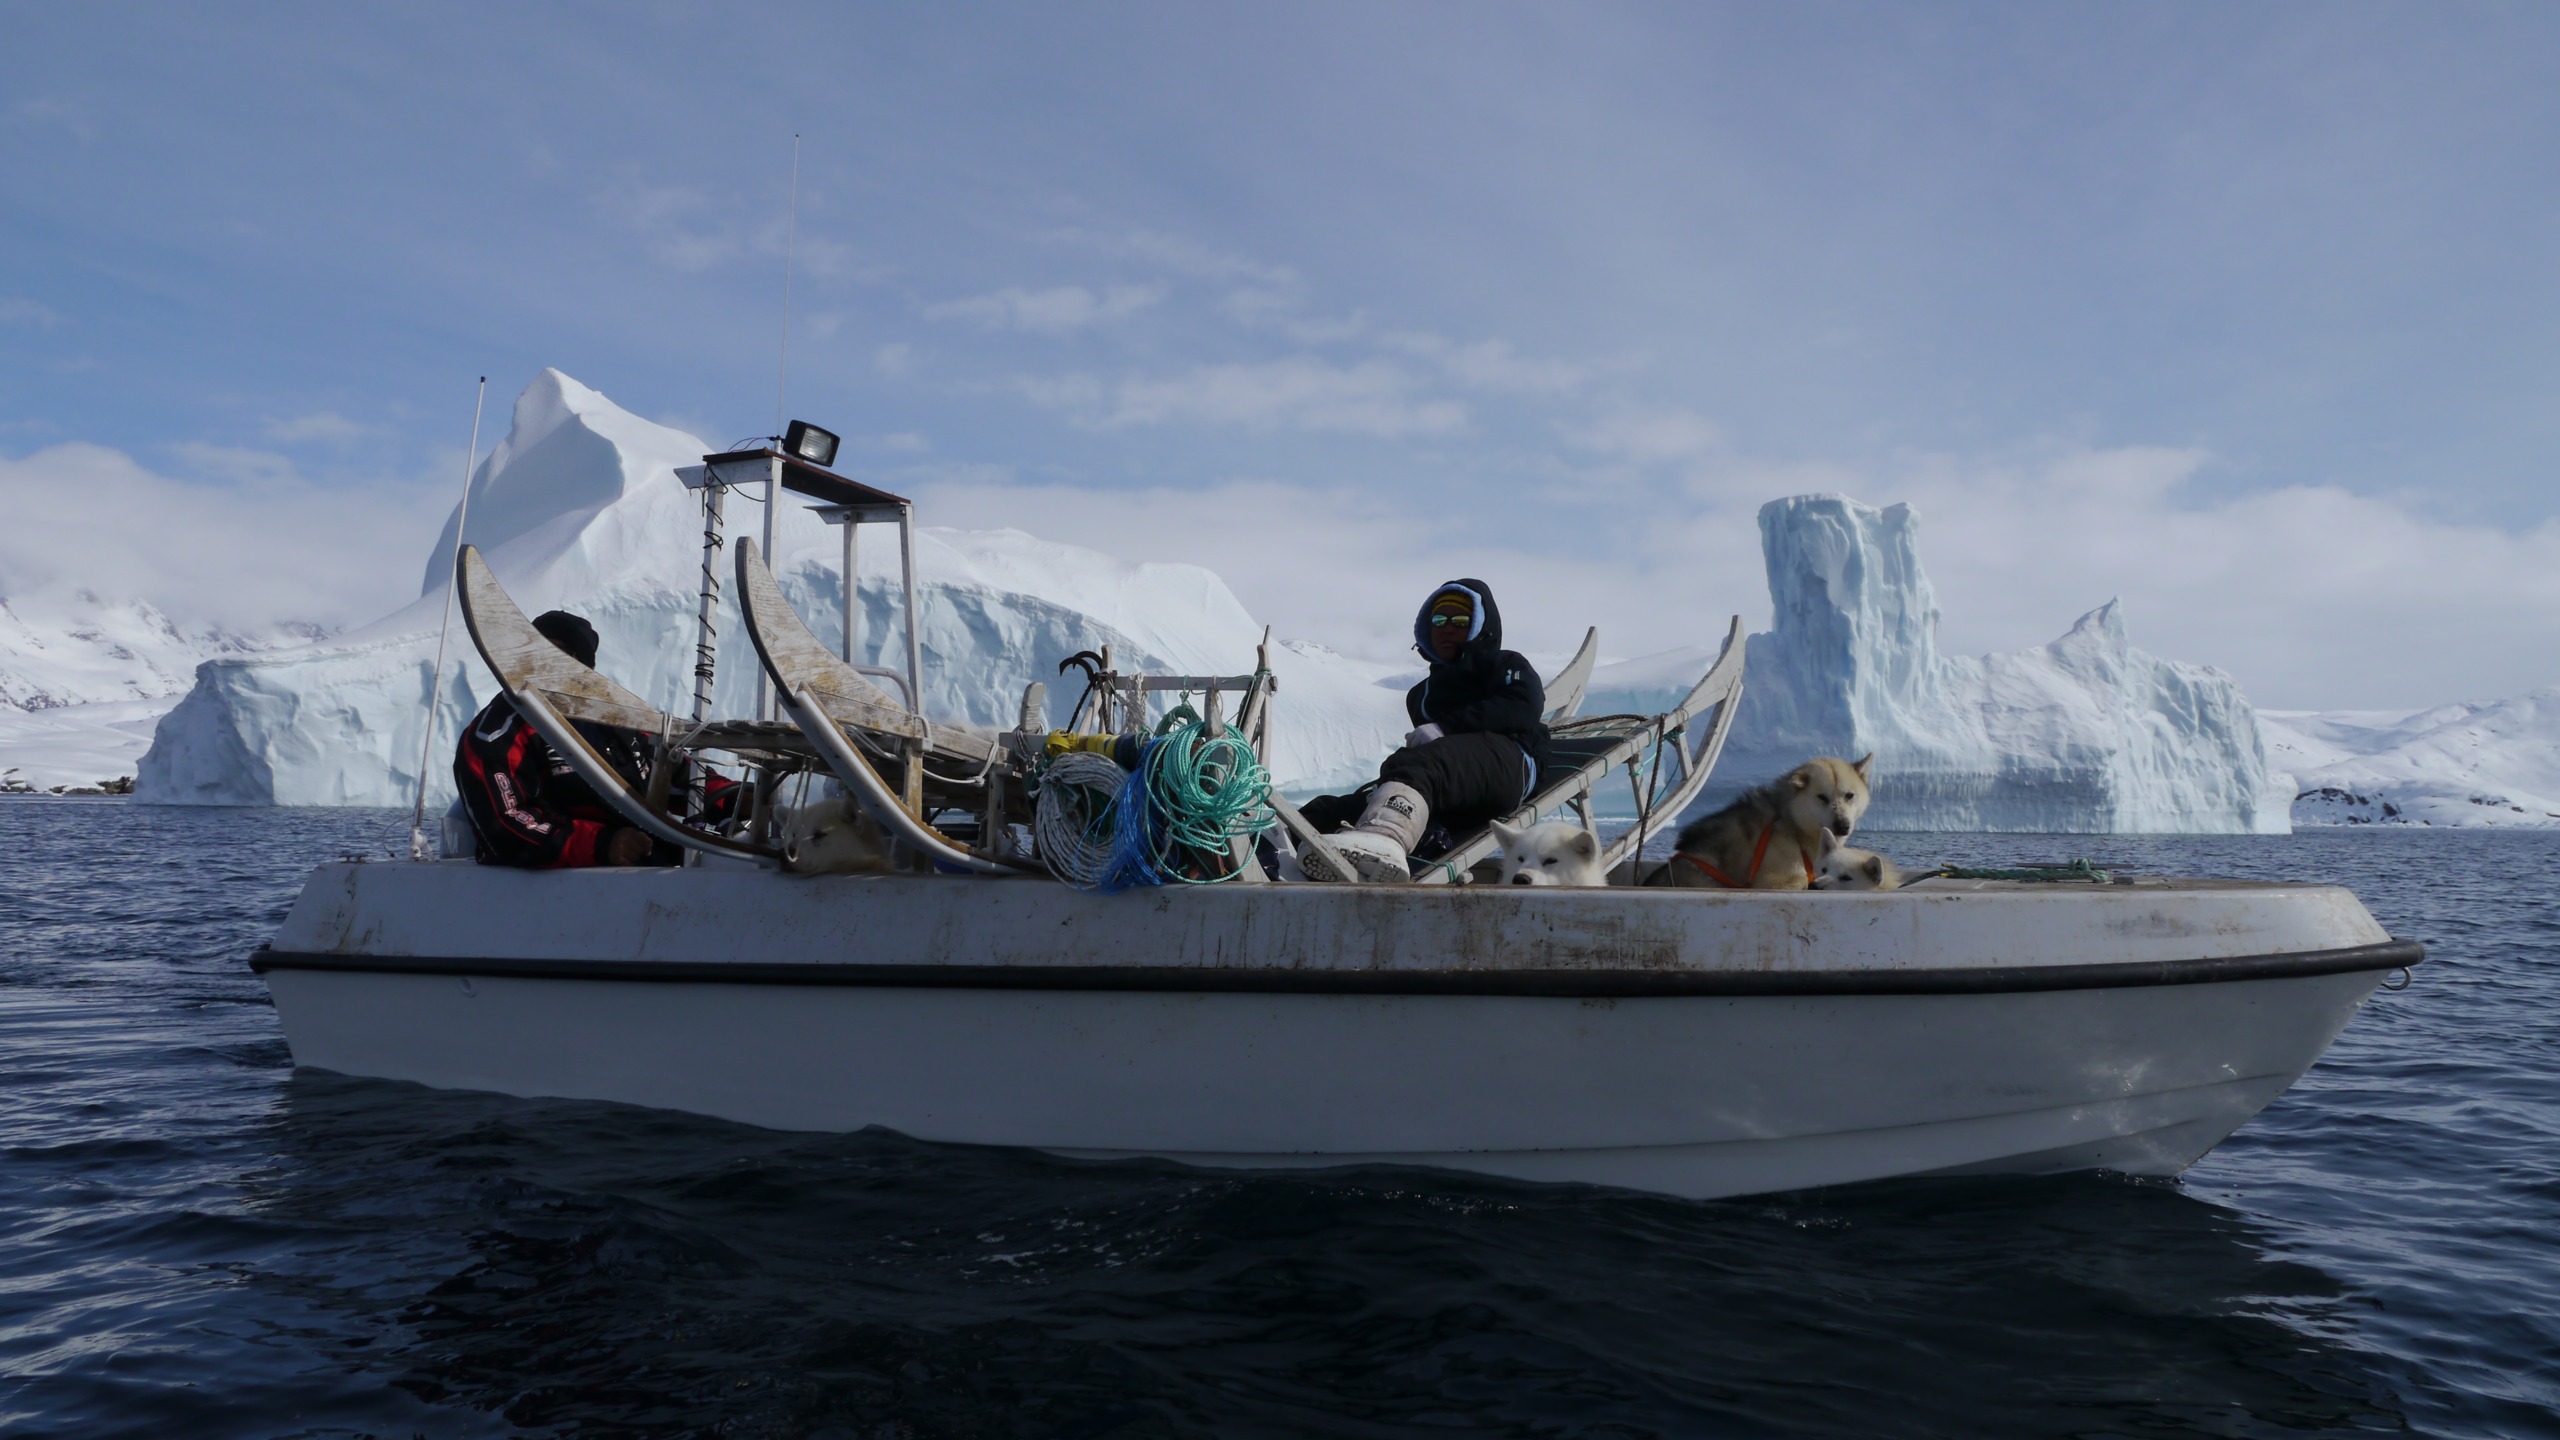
1774,837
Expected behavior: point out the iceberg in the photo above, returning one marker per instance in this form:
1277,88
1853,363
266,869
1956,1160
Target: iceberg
2085,735
580,508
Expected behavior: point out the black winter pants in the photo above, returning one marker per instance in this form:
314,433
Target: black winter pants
1466,779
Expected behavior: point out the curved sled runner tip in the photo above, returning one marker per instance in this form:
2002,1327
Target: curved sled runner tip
1565,691
822,695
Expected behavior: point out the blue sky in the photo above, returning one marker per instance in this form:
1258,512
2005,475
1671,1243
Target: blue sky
2244,314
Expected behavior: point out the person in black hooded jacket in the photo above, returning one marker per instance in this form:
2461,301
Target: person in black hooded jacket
528,807
1479,738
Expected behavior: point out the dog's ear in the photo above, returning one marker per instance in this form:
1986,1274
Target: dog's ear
1586,844
1802,778
1874,868
1862,762
1508,836
1830,842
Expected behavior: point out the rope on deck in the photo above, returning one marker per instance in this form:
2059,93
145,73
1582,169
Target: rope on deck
2080,870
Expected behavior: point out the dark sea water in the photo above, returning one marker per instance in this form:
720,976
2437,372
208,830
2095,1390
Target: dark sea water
196,1241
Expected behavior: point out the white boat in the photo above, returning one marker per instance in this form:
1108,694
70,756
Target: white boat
1691,1042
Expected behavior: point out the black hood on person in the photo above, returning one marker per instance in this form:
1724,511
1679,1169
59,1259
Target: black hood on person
575,637
1485,689
1484,635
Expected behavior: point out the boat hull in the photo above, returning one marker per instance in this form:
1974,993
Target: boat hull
1691,1044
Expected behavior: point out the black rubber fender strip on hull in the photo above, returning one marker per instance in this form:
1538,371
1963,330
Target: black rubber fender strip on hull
1558,984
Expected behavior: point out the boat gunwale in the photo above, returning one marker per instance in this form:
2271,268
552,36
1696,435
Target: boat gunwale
1576,984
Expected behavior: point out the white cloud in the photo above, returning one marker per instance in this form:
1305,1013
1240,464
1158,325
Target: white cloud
261,545
2311,595
1257,308
1490,364
236,464
894,360
47,111
688,230
1054,311
28,314
1650,437
326,427
667,218
1178,254
1374,397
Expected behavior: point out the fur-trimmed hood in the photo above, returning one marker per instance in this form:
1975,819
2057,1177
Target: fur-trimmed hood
1484,636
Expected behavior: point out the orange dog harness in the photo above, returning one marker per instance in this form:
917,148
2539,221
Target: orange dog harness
1759,853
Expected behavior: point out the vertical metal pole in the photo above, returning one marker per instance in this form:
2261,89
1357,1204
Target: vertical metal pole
915,642
772,509
853,590
419,849
706,613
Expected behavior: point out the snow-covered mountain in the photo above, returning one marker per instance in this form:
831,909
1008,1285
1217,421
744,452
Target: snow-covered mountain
579,508
2478,764
80,649
2087,734
82,678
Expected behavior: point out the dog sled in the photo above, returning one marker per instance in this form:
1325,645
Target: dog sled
1687,1041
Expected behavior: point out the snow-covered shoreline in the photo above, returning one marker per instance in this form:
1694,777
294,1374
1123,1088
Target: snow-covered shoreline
2483,764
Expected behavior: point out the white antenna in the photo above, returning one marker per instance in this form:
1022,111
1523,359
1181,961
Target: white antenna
790,237
781,368
418,848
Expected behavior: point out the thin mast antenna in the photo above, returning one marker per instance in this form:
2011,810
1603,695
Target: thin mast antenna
418,849
781,369
790,238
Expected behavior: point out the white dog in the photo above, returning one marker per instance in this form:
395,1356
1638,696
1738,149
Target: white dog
1555,853
1845,867
833,837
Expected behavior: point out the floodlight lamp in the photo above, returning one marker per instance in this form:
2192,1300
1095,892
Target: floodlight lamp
810,443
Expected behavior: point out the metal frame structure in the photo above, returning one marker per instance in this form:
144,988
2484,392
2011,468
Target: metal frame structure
840,502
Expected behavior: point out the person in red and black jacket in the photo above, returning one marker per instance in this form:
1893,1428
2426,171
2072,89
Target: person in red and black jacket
529,808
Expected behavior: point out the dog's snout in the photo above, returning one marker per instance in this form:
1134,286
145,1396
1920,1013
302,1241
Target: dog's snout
1522,879
1840,826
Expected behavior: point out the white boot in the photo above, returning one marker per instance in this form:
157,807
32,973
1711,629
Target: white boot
1377,848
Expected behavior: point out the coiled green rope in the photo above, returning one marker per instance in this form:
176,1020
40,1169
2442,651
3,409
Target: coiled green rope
1203,791
1167,820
